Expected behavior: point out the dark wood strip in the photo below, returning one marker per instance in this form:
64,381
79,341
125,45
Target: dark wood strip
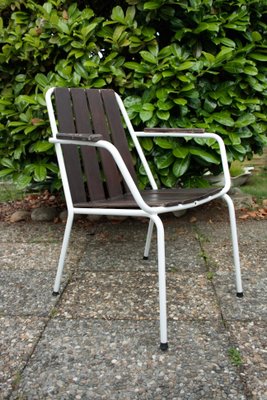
154,198
89,154
100,126
116,128
70,152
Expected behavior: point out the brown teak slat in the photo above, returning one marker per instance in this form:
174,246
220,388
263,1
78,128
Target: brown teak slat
89,154
154,198
70,152
118,133
100,126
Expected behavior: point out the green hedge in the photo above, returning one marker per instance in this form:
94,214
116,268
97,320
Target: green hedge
199,63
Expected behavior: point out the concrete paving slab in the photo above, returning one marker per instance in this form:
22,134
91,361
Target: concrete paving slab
183,255
121,360
36,232
114,245
251,338
18,337
26,293
99,339
125,295
250,307
22,256
217,246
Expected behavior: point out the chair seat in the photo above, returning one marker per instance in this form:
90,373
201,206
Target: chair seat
154,198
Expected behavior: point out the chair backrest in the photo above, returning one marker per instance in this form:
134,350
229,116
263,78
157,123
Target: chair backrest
92,173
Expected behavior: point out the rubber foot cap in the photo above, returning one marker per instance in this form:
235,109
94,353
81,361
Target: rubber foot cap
164,346
55,294
145,258
240,294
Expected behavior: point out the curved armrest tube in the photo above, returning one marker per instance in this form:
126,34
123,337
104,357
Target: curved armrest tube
80,136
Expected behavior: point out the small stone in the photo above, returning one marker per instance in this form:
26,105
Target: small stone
20,216
244,201
179,213
63,215
94,218
44,214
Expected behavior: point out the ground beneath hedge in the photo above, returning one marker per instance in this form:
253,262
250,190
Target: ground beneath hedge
212,210
29,202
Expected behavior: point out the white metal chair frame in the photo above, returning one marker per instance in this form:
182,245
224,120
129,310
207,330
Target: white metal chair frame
144,209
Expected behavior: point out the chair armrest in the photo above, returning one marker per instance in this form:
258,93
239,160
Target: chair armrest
80,136
174,130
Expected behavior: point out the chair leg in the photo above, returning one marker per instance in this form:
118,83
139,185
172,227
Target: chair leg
229,201
148,239
162,283
63,253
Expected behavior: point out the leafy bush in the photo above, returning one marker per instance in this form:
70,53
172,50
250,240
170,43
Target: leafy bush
176,63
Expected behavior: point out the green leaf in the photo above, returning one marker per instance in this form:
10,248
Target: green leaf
204,26
133,101
7,162
63,27
250,70
148,107
162,93
117,14
146,115
235,66
147,56
164,160
41,147
227,42
164,105
48,7
258,56
23,181
42,80
40,172
99,83
156,78
130,14
147,144
27,99
6,171
209,105
209,57
245,120
164,143
163,115
79,68
136,67
88,29
181,166
180,101
180,151
118,32
205,155
185,65
152,5
169,181
224,54
223,118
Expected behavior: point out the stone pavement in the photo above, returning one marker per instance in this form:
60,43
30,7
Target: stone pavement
100,338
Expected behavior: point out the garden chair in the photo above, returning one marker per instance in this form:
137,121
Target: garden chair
98,174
